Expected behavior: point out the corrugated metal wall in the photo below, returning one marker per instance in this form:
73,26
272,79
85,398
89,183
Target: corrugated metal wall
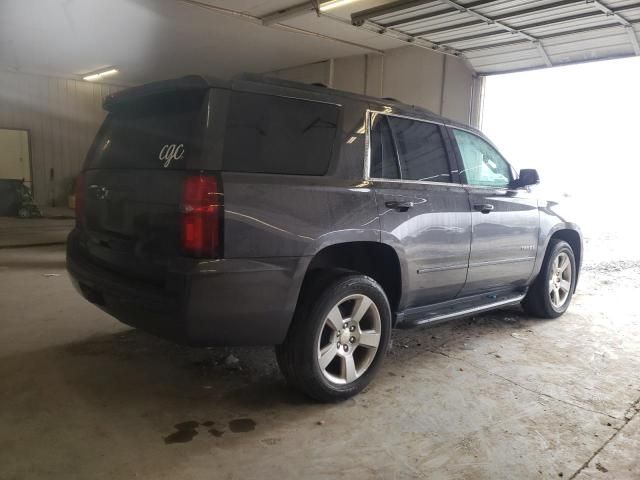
440,83
62,117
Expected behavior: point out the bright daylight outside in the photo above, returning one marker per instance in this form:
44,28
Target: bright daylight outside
578,125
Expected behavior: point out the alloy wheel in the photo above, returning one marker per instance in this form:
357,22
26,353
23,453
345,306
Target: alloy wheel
349,339
560,280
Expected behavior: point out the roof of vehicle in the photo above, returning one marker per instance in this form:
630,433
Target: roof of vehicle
240,82
398,106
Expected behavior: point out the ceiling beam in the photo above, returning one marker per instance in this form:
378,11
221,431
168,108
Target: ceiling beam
397,35
492,21
278,26
440,13
545,37
628,27
491,46
358,18
370,26
504,16
538,9
633,38
291,12
544,23
448,28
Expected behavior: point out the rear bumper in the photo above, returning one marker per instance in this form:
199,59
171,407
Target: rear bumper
221,302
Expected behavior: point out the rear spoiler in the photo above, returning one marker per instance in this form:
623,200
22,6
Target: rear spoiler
188,83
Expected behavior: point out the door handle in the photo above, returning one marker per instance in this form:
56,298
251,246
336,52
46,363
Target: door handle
398,206
483,207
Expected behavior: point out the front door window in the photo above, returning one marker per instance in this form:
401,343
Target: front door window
482,164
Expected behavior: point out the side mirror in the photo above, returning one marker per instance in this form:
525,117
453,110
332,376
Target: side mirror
528,176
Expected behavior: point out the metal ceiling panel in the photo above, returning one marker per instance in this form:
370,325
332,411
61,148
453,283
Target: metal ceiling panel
509,35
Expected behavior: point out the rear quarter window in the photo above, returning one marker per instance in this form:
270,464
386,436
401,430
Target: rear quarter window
270,134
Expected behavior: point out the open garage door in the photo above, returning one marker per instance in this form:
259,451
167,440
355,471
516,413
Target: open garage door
498,36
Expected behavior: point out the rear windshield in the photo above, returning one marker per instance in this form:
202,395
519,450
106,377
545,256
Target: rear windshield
269,134
160,132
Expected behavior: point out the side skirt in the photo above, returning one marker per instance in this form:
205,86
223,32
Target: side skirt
459,307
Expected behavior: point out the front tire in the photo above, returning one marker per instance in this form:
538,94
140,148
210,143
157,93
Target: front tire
338,338
551,293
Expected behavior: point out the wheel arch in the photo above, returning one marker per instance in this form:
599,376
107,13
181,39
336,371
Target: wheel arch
569,233
374,259
573,238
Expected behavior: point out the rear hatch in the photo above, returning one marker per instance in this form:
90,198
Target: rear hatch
132,185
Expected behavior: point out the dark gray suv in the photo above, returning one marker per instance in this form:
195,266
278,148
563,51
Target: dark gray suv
265,212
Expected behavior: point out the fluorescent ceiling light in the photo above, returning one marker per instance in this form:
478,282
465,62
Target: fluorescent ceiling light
98,75
331,4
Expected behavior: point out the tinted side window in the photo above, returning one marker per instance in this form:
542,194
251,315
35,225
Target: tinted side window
268,134
421,150
384,161
482,164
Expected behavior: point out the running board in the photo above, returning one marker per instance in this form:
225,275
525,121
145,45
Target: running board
458,308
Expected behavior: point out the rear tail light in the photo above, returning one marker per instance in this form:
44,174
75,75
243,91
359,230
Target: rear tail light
202,204
80,200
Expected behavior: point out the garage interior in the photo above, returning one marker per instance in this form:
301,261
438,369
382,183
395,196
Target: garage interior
498,395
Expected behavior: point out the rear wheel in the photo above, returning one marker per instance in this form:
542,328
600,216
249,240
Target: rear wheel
551,293
338,338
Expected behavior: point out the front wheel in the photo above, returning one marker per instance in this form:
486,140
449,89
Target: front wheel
338,338
551,293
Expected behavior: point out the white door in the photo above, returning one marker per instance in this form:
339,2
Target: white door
14,155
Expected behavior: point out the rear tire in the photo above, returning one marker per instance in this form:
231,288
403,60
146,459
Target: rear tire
551,293
338,338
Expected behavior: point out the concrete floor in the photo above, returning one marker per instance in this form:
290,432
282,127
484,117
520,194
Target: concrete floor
496,396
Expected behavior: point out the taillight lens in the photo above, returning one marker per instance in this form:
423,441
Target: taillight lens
80,200
202,203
